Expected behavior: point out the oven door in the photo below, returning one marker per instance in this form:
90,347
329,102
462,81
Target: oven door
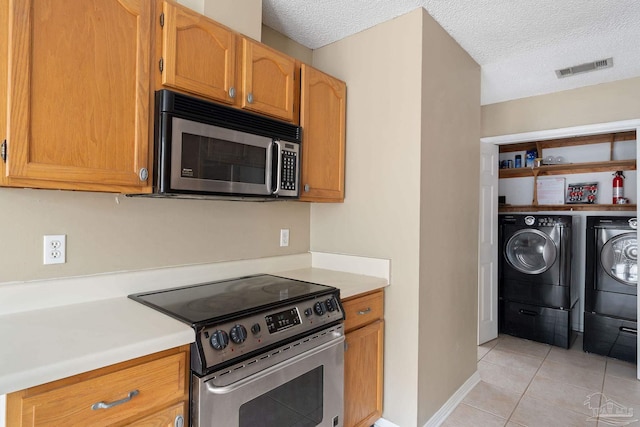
305,390
211,159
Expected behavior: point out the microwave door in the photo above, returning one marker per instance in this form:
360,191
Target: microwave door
211,159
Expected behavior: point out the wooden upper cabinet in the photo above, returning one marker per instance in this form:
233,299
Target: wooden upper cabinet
78,94
323,119
199,55
268,79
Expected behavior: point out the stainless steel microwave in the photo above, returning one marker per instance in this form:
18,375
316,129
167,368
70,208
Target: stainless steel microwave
205,149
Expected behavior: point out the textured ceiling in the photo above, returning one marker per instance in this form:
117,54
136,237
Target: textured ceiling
518,43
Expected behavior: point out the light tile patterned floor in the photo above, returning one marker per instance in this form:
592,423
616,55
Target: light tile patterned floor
526,383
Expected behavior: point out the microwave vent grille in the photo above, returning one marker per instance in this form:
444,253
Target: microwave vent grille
232,118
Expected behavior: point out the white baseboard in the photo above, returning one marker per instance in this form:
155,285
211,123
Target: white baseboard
446,409
457,397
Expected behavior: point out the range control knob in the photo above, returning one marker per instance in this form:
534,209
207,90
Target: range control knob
255,329
331,304
219,340
308,312
319,308
238,334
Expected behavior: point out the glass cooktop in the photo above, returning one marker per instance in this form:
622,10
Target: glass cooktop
218,301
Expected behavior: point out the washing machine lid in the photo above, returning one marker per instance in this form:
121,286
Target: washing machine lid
619,258
531,251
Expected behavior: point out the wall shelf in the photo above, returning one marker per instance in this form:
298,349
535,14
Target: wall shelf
569,168
605,163
568,207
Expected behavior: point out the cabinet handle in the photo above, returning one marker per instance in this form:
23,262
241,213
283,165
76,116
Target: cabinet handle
307,188
365,311
232,92
250,98
179,421
102,405
528,312
144,174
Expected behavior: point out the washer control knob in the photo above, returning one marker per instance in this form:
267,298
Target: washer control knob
308,312
219,339
255,329
238,334
319,308
331,304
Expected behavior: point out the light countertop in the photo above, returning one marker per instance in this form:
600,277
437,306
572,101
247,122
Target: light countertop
50,343
350,284
45,345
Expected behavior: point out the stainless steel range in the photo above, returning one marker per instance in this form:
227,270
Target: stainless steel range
269,351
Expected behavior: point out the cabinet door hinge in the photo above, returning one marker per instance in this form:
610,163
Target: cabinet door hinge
3,151
161,64
162,19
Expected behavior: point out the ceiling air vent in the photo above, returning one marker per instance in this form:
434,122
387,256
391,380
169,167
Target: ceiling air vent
583,68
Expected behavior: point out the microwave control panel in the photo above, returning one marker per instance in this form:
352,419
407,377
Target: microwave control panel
289,169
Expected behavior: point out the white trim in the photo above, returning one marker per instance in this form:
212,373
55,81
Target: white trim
451,404
541,135
3,412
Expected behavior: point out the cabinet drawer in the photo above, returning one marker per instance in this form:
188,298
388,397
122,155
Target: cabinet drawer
362,310
152,384
164,417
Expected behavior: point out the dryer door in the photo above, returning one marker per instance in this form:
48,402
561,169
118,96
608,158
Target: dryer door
619,258
530,251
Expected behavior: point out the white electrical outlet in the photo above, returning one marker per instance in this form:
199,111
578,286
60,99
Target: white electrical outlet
55,249
284,237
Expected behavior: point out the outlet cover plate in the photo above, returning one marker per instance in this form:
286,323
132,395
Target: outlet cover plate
55,249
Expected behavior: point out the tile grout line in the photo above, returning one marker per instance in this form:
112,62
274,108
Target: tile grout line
527,388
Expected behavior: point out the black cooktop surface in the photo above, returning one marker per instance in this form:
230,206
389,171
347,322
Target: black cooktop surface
218,301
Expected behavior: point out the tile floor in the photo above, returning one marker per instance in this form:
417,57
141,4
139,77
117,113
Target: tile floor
526,383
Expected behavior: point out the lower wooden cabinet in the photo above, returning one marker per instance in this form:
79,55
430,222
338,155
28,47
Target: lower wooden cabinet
363,359
150,391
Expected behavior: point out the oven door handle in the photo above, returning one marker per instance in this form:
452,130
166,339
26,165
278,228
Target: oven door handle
259,375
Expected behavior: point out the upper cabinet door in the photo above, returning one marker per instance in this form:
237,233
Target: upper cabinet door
267,81
199,55
79,94
322,117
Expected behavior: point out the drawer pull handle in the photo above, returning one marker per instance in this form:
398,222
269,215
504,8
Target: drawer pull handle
102,405
528,312
365,311
629,330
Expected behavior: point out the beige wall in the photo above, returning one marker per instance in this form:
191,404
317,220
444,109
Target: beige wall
243,16
448,218
107,232
381,212
197,5
411,121
284,44
601,103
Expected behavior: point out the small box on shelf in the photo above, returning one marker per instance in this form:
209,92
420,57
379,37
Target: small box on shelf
582,193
